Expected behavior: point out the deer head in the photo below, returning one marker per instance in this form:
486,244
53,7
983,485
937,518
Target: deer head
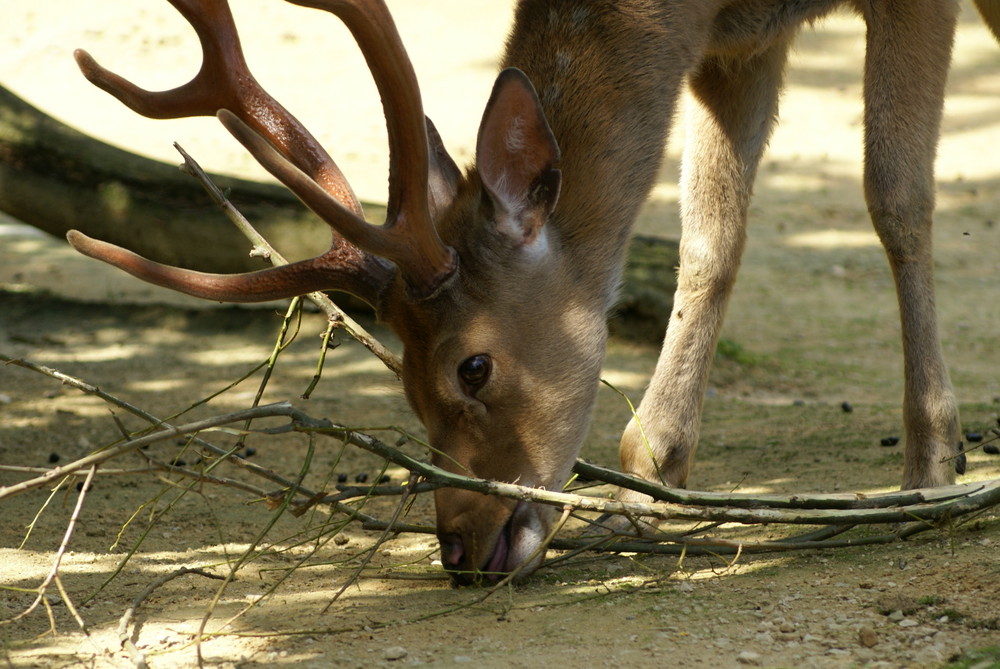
501,354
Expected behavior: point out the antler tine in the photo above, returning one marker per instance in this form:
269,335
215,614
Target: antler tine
332,269
408,237
225,82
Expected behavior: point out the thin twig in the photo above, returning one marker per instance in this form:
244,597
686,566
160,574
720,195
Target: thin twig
390,528
929,505
228,454
242,559
263,248
124,638
321,361
53,575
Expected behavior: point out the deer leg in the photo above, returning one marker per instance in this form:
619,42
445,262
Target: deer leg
733,110
908,55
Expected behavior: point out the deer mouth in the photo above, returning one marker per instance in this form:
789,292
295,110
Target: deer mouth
496,567
491,568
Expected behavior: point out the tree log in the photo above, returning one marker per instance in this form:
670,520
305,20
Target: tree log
56,179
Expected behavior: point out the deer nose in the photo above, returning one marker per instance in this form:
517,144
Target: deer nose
452,550
453,559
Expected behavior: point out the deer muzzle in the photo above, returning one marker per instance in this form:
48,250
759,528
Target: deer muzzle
489,538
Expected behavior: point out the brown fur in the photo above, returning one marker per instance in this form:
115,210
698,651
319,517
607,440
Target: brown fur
608,75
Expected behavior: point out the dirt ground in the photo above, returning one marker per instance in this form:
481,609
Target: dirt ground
812,325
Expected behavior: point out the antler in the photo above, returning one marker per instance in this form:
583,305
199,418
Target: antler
225,87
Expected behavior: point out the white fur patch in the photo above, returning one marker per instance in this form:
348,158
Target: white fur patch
537,249
514,138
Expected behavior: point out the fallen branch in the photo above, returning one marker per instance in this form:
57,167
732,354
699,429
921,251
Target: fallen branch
926,506
912,511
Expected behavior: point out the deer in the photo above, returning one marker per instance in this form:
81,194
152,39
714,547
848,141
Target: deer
498,280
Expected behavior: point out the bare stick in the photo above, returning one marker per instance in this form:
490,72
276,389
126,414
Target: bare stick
389,528
816,501
929,505
138,658
132,444
53,575
261,247
929,508
91,389
919,509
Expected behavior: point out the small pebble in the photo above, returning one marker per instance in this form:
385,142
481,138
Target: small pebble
748,657
867,637
889,441
394,653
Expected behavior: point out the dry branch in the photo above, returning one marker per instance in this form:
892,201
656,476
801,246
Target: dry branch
917,509
261,247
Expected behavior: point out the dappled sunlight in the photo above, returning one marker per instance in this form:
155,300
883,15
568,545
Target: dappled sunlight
28,241
811,319
245,354
622,379
380,390
719,569
106,353
784,179
78,405
664,191
834,239
354,367
157,385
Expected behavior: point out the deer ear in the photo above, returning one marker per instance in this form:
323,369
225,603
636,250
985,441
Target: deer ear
443,174
516,154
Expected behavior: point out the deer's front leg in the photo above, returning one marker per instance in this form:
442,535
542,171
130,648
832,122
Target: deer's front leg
906,66
735,104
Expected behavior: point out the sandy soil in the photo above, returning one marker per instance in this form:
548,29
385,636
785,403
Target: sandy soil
812,325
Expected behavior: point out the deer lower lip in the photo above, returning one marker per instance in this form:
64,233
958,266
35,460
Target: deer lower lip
496,567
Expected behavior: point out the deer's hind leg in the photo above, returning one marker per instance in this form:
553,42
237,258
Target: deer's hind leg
908,54
734,108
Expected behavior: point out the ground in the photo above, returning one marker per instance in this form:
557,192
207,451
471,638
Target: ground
811,326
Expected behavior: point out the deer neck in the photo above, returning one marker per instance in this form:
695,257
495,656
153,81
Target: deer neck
602,72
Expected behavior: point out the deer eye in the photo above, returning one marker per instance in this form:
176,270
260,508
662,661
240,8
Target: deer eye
475,371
